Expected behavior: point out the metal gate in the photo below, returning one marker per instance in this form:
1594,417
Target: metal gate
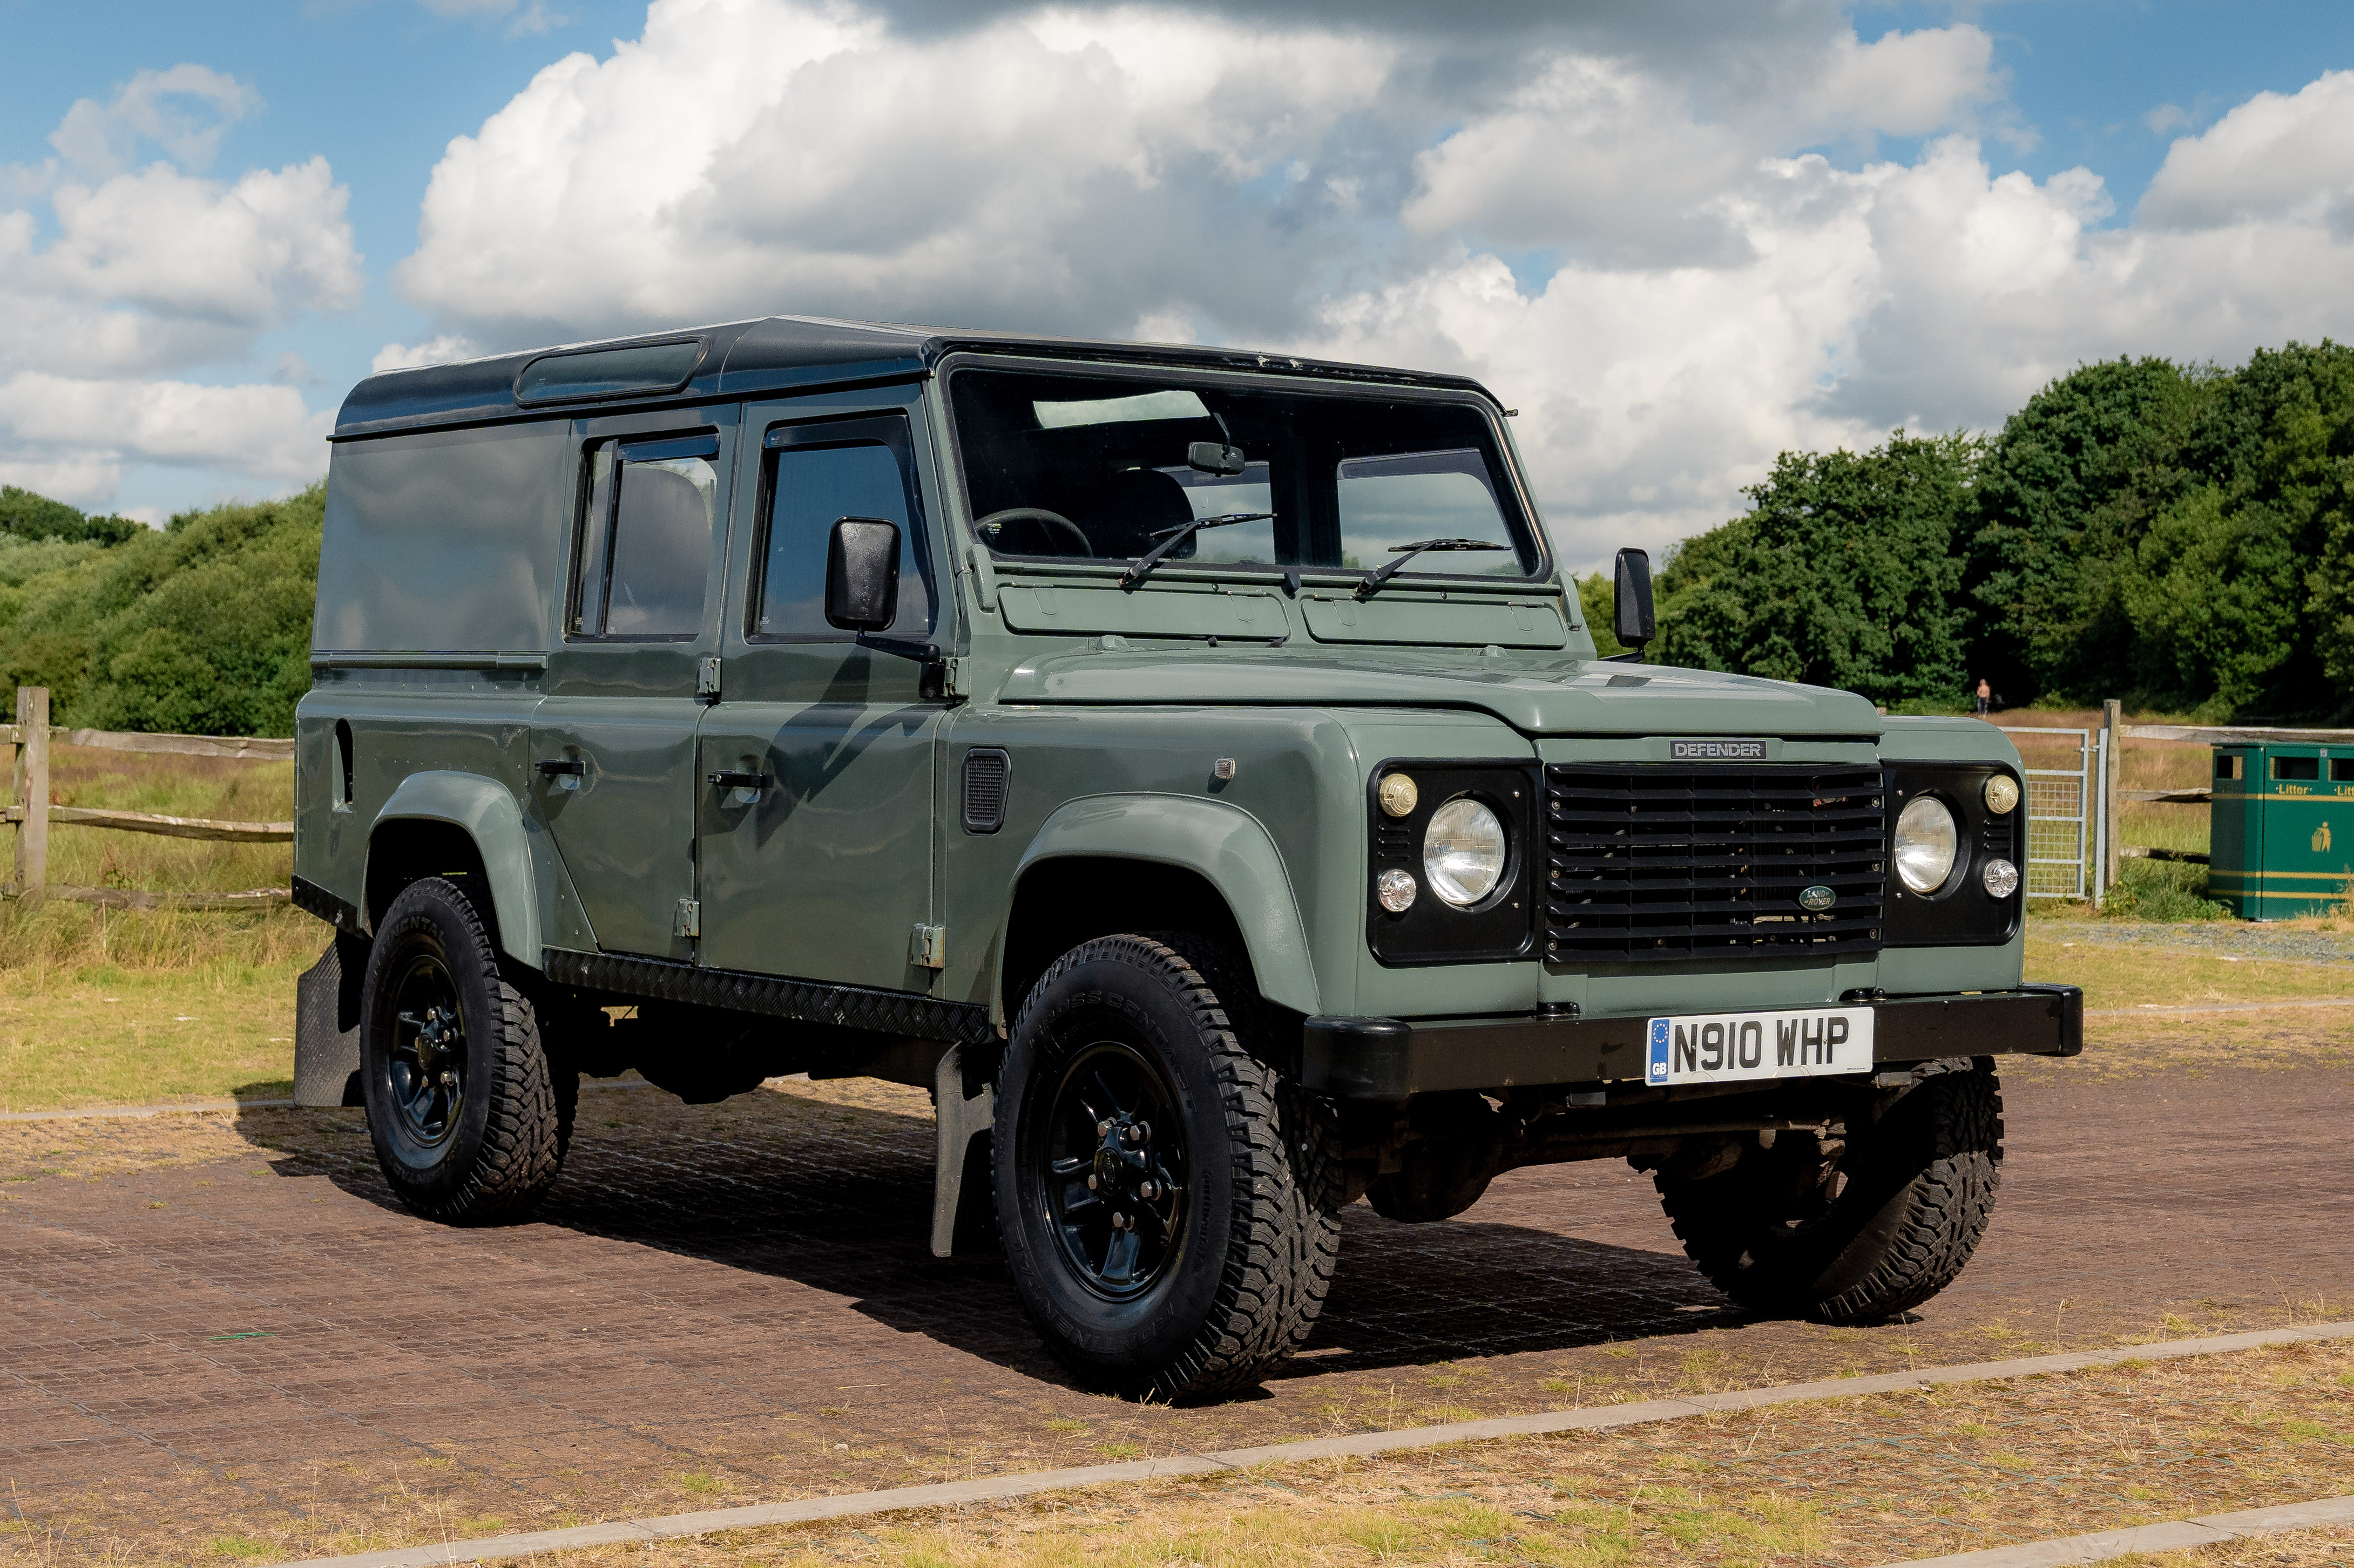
2064,852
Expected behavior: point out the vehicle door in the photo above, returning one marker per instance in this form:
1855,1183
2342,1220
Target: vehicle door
613,739
815,857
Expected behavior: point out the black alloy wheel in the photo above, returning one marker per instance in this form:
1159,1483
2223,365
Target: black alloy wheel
425,1069
1114,1171
466,1112
1202,1252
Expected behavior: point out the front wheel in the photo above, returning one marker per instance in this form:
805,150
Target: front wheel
1169,1204
468,1120
1862,1231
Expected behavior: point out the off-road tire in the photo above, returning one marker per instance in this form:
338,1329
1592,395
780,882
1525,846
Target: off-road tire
1243,1288
1921,1170
505,1141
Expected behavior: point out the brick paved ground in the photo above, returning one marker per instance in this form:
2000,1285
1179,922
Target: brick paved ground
735,1302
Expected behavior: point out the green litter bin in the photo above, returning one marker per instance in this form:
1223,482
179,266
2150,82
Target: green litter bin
2281,841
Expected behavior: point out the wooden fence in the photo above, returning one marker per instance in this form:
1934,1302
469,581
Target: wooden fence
28,742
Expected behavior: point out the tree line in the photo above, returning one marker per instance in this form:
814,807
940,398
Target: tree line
202,626
2181,537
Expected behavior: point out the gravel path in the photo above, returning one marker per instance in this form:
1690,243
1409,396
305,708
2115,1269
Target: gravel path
2239,939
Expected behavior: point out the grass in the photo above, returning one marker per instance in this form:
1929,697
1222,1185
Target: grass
108,1006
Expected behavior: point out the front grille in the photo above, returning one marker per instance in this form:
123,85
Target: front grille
1651,863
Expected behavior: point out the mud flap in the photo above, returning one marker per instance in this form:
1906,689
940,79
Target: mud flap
963,1214
327,1026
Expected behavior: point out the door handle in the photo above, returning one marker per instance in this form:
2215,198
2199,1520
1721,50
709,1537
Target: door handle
572,765
738,780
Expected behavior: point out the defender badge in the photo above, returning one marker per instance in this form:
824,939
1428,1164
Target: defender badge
1817,899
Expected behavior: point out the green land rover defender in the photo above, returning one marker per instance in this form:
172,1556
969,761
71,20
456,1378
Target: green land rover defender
1191,766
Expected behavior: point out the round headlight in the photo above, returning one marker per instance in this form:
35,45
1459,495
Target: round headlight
2001,793
1463,851
1927,843
1395,889
2001,878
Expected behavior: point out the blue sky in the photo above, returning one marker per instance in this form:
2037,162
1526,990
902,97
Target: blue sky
1683,241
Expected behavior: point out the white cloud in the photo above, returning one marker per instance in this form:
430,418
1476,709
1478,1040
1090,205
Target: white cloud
140,276
1628,239
2273,157
753,155
262,430
186,109
445,349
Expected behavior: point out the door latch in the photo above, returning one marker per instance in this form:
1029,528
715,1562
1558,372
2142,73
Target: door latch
689,922
706,679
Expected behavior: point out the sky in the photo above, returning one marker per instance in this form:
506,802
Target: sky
1679,236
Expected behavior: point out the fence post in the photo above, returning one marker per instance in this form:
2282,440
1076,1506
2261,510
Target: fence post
2112,733
32,790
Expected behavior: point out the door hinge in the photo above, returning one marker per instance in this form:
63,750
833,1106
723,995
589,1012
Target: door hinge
689,921
928,947
706,679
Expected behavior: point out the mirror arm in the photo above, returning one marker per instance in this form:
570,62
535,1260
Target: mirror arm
932,679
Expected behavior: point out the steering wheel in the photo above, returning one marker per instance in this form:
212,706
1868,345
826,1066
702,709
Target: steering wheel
1051,521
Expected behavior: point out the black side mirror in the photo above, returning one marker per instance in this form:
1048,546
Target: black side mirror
861,575
1217,457
1630,600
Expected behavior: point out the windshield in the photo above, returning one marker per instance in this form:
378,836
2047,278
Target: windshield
1072,467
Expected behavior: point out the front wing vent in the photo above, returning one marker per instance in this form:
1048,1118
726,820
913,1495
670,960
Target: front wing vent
987,772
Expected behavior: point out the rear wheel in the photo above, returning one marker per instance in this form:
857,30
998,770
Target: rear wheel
468,1120
1858,1232
1169,1204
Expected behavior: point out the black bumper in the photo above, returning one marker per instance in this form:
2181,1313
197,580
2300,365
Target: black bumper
1388,1059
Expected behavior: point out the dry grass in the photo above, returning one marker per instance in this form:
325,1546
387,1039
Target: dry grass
1836,1482
59,935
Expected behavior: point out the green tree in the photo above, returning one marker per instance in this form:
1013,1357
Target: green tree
25,515
2063,497
204,628
1842,573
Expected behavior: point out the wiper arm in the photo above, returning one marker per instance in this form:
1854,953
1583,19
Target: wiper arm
1171,537
1405,553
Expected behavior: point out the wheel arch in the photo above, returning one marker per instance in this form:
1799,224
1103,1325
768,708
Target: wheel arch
448,822
1180,864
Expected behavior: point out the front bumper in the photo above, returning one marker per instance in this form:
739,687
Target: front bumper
1389,1059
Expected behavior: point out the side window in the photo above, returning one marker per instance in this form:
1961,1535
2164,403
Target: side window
645,535
818,475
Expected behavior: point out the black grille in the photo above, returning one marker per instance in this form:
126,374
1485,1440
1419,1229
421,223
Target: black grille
986,772
1648,863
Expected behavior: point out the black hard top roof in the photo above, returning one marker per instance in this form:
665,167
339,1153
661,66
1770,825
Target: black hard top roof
776,354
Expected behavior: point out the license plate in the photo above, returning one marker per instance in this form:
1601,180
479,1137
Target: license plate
1734,1047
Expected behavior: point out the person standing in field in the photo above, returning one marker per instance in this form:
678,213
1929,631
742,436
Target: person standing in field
1985,695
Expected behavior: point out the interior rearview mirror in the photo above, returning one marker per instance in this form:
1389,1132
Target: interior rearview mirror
1217,457
861,575
1630,600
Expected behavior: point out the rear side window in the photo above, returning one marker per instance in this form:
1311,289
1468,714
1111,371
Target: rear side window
819,474
644,553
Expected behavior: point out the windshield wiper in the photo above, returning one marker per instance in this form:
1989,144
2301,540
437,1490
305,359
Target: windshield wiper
1373,585
1171,537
